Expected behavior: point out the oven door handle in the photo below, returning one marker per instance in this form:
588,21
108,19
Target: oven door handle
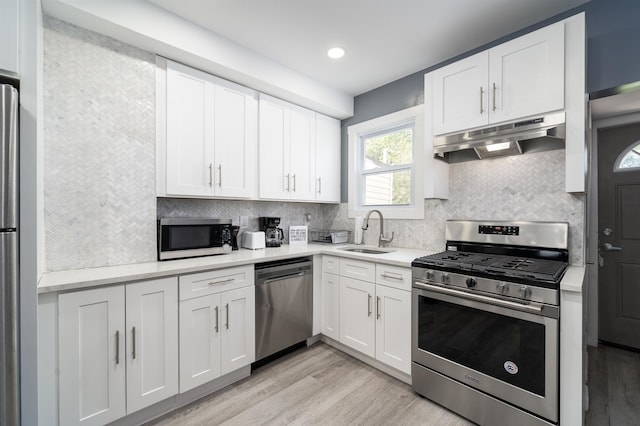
534,308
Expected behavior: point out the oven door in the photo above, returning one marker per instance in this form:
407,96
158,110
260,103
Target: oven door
502,348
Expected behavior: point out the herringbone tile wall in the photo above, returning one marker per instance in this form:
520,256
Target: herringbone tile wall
99,150
99,179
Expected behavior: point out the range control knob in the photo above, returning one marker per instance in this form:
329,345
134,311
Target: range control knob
502,288
429,274
525,292
471,282
444,278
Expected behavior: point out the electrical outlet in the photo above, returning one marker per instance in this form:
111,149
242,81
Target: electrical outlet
244,221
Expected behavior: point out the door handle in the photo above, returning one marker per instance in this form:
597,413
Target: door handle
217,320
494,96
133,339
117,347
220,175
368,305
210,174
481,96
611,247
227,309
377,307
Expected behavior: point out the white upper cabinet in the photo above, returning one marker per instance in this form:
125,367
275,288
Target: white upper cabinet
517,79
327,185
287,150
459,94
9,36
209,148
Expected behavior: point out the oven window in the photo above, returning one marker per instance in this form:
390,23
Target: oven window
505,348
187,237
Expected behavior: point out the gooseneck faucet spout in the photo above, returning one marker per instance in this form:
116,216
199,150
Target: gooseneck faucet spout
382,240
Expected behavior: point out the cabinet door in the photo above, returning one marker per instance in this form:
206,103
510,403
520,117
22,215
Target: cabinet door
200,327
189,131
236,140
327,185
275,179
238,328
357,321
152,342
9,35
302,165
91,353
527,75
331,305
459,94
393,327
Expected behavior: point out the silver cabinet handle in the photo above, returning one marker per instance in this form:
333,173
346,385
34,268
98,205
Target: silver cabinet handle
133,346
319,185
288,183
369,305
217,328
294,182
220,175
481,96
611,247
228,280
210,174
494,96
117,347
227,323
392,277
378,307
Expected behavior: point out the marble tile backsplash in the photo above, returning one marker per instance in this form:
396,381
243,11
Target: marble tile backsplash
526,187
100,206
99,150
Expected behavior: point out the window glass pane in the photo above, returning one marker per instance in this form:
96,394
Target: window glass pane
387,189
388,149
630,159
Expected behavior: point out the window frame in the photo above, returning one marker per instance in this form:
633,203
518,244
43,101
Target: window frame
414,117
623,154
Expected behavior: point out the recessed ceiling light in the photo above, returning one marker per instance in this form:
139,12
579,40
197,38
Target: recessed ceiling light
335,52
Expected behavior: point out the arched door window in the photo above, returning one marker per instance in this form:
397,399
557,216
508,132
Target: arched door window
629,159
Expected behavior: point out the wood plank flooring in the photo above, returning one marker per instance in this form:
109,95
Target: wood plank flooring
318,385
614,387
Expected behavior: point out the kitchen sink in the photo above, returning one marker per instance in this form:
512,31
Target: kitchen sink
366,250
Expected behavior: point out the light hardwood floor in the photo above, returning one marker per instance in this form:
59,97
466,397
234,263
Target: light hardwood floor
614,387
318,385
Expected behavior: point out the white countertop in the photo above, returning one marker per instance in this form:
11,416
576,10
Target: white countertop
92,277
573,279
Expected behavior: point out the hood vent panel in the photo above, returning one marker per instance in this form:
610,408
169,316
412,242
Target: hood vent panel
539,134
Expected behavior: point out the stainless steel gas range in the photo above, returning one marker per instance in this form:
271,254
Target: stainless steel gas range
485,323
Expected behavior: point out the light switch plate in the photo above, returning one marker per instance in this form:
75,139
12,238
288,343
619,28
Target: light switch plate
244,221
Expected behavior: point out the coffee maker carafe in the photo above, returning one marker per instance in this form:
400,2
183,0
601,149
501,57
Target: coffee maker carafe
272,234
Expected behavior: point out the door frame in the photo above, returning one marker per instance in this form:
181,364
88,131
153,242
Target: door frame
591,238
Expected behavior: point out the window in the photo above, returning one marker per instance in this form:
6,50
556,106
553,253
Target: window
385,165
629,159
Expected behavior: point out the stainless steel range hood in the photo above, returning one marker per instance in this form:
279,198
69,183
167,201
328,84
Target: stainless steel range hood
535,134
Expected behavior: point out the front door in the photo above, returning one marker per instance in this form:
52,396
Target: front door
619,235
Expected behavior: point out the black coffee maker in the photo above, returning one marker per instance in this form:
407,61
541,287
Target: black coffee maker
272,234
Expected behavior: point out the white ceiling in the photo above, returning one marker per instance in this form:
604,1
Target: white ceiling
385,39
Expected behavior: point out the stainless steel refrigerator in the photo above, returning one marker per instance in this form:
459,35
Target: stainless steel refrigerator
9,306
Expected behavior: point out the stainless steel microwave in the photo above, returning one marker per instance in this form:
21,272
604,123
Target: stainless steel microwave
190,237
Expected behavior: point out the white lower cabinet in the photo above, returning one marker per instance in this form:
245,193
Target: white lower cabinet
330,305
117,350
374,315
217,330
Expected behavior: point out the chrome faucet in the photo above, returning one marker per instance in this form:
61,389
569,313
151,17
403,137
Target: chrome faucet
382,240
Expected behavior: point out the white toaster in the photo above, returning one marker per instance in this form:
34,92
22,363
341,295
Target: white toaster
253,240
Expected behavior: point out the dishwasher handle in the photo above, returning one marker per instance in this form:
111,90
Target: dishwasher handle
281,277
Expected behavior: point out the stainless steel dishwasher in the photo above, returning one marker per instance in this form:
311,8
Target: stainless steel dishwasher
284,304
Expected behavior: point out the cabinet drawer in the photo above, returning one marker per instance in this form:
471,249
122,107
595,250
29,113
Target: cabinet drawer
331,264
357,269
393,276
211,282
